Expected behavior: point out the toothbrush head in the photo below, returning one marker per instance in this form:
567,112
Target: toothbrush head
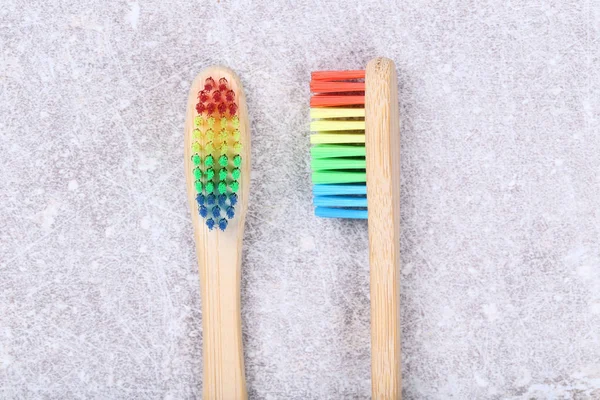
217,141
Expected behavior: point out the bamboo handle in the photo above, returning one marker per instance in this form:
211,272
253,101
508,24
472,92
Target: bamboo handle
219,257
383,193
220,273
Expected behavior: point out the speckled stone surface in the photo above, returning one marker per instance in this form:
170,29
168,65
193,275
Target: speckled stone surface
99,294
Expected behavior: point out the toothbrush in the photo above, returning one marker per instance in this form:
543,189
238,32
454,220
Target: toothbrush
217,169
355,159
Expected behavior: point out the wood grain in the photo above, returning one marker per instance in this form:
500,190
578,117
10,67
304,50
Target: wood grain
219,262
383,193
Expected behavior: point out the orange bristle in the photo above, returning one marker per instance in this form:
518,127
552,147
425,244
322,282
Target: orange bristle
336,101
333,87
337,75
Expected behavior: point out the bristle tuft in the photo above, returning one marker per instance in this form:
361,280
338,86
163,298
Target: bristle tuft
210,223
209,84
337,75
338,152
230,212
203,211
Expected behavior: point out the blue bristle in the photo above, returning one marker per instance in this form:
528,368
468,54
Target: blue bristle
210,199
210,223
329,190
328,212
222,199
233,199
216,211
340,201
230,212
222,224
203,211
200,198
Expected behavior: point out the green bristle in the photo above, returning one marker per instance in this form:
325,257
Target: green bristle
210,187
235,186
223,160
210,174
236,173
196,159
222,188
222,174
328,177
333,150
337,163
209,161
198,185
237,160
197,173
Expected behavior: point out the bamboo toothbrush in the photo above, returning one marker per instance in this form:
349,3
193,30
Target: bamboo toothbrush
355,160
217,168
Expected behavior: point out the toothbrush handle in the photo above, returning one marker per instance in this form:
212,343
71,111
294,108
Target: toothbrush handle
383,193
219,261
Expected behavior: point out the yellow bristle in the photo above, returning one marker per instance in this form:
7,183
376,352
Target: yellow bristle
322,138
317,126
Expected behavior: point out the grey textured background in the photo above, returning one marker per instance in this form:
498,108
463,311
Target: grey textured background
99,295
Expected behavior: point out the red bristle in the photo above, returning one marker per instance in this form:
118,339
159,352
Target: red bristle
230,95
335,101
337,75
332,87
216,95
209,84
222,108
232,108
203,96
200,108
222,84
210,108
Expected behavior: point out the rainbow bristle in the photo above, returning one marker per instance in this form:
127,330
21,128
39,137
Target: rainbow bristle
216,152
338,156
